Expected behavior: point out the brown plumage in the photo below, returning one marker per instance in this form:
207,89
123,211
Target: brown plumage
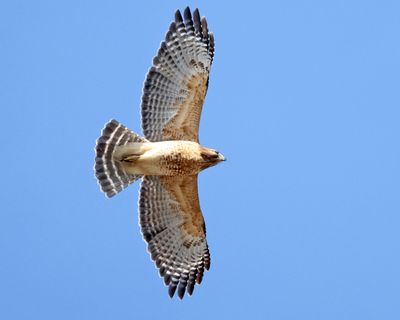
170,157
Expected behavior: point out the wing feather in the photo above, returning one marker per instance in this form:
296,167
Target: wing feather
176,84
173,226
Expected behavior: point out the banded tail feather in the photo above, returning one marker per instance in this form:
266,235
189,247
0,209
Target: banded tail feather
110,172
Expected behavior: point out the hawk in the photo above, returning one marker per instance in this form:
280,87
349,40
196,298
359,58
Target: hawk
169,157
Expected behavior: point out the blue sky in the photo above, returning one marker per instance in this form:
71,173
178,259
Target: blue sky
302,220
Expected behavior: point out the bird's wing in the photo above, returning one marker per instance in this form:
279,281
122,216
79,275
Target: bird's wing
176,84
173,226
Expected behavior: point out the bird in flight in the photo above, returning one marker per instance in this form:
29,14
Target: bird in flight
169,157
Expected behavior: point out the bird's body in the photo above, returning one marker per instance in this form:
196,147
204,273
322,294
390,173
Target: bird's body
169,156
165,158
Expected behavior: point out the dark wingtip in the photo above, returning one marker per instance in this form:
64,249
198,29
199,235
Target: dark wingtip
199,278
172,27
187,14
196,19
181,291
167,279
190,289
204,26
171,290
178,16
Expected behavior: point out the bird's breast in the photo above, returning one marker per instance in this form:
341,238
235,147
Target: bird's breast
171,158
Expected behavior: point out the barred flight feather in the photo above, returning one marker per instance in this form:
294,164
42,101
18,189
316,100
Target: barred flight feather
176,84
180,254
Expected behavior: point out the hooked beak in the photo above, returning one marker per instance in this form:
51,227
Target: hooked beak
221,157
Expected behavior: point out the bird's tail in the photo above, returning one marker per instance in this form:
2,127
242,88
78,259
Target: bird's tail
110,173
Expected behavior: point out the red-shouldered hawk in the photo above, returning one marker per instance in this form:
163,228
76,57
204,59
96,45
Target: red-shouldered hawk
169,157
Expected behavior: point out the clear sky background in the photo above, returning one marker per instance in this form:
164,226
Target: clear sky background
303,219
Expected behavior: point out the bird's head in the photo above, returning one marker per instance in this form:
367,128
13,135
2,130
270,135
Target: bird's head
211,157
